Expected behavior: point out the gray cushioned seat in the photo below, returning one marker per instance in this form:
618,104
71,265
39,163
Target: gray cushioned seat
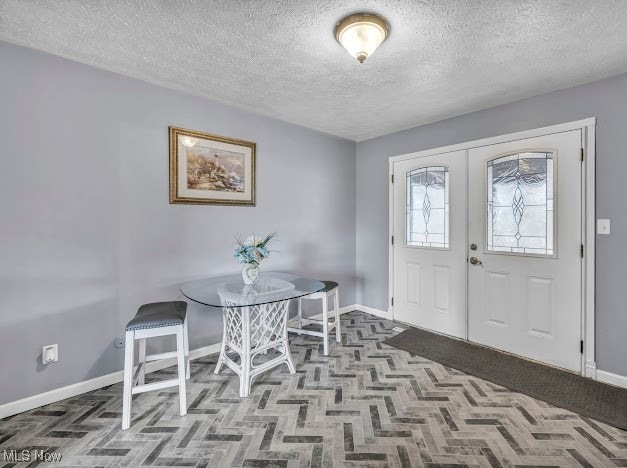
329,285
158,314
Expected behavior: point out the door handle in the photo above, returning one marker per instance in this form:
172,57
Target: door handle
475,261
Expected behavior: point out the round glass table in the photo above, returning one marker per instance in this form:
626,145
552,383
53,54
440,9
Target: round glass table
254,318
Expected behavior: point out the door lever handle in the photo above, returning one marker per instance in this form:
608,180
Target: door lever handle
475,261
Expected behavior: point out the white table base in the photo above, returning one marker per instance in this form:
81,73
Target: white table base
250,331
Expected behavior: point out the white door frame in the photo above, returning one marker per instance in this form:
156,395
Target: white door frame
587,127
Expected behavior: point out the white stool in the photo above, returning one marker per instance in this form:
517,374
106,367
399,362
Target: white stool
152,320
331,289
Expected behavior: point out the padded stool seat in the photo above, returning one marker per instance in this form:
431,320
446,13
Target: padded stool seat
158,314
152,320
329,285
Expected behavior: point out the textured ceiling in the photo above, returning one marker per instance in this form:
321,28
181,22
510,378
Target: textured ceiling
280,58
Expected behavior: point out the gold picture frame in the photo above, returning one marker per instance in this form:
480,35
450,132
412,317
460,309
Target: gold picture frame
207,169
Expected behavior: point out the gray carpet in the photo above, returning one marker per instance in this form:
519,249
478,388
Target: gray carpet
560,388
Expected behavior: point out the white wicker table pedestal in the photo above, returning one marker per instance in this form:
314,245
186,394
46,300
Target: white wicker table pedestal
250,332
254,320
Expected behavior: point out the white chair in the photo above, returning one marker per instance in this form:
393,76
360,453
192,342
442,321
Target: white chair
152,320
331,289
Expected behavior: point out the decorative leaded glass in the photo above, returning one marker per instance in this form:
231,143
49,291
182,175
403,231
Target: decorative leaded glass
520,204
427,207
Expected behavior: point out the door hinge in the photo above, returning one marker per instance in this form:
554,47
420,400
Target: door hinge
581,348
582,154
392,301
392,178
581,251
392,240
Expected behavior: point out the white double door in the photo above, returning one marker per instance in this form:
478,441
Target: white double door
487,246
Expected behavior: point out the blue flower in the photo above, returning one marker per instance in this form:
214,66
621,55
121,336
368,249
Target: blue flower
253,250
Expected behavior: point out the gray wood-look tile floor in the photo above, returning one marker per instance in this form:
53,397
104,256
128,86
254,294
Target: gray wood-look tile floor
366,404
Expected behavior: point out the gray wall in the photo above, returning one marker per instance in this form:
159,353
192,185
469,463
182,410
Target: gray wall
87,232
606,100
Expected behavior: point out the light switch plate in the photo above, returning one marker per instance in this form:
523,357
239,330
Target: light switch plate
603,226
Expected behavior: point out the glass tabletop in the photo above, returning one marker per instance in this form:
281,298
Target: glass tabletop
231,291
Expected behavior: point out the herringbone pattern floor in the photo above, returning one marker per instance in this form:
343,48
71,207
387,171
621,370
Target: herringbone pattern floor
366,404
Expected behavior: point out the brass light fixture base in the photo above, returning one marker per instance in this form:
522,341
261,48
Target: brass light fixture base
370,23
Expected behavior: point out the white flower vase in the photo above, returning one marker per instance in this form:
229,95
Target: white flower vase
250,273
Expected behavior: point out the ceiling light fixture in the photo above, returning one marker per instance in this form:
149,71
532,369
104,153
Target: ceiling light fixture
361,33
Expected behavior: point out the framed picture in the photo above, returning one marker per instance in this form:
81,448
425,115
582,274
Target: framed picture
211,169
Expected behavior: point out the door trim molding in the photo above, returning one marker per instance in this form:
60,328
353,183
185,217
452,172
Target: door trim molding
588,135
536,132
587,127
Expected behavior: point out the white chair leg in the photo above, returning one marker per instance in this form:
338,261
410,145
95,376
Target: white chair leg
325,324
244,379
338,333
222,346
141,380
289,362
186,338
127,398
300,314
180,354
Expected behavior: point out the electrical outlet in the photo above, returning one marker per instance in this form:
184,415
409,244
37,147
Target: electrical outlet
49,354
603,226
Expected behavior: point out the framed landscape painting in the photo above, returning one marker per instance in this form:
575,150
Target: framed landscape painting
211,169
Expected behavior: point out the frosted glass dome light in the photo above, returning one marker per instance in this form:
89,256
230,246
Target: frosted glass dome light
360,34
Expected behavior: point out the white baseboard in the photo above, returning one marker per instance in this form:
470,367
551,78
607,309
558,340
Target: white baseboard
35,401
42,399
372,311
343,310
612,379
347,309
